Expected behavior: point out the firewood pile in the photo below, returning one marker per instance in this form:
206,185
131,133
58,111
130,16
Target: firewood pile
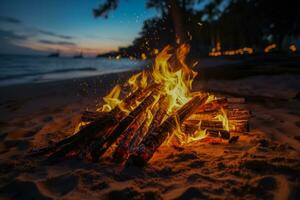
158,108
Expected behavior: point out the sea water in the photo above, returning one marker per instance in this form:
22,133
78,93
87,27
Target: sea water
33,69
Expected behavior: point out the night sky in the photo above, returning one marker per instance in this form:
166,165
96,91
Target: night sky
40,26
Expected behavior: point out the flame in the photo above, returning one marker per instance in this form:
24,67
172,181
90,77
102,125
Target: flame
176,78
223,118
112,99
171,72
133,81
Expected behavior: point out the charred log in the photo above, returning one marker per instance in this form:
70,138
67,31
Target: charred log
100,124
105,142
154,139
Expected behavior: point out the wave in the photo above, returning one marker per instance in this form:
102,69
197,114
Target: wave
59,71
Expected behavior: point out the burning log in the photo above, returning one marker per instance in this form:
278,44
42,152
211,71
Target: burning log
101,124
218,133
162,107
122,151
126,104
154,139
238,114
105,142
214,124
88,116
133,136
213,105
239,126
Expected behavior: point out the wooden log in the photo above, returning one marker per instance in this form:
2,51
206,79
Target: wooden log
100,124
160,112
84,135
239,126
89,116
190,129
154,139
106,142
211,124
210,115
213,105
121,153
127,104
218,133
132,136
238,114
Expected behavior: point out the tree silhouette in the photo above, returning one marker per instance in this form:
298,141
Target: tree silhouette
234,23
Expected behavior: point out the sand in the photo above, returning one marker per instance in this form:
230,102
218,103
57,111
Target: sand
263,164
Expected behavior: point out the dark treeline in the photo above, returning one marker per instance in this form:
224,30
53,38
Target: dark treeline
232,23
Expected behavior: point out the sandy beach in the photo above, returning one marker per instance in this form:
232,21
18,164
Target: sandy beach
262,164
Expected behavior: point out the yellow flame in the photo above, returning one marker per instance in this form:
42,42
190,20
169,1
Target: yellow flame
223,118
175,78
144,80
133,81
112,99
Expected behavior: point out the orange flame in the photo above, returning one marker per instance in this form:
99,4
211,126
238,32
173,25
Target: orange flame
175,77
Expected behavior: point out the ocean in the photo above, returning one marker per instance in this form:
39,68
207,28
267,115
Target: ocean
34,69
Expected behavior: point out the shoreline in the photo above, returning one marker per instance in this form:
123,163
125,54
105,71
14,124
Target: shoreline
24,99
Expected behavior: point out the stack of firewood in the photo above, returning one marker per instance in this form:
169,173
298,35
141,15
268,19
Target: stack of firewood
134,138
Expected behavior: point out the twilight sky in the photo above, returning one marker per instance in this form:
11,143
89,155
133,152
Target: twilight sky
41,26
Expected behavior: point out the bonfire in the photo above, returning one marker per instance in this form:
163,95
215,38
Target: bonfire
153,108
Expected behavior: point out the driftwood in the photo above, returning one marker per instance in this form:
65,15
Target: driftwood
154,139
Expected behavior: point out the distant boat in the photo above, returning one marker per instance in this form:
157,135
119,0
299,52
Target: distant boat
78,56
54,55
